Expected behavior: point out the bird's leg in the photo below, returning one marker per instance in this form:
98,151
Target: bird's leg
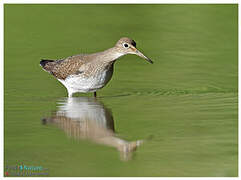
70,93
95,95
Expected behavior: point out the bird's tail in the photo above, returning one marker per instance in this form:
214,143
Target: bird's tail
43,62
46,64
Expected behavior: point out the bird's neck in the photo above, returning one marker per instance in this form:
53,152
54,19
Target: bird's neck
109,55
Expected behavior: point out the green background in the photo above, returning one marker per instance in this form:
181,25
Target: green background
185,104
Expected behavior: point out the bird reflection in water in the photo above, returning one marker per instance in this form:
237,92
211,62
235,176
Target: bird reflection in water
87,118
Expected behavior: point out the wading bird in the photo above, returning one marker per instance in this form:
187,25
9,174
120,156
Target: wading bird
90,72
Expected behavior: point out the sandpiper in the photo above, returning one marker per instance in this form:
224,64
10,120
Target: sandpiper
90,72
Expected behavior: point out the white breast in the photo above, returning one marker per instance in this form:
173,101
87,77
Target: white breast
81,83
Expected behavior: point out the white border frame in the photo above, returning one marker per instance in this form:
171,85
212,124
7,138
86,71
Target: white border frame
101,2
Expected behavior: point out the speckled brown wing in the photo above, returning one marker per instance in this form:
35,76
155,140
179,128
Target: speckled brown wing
61,69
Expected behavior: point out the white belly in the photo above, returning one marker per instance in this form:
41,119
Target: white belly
81,83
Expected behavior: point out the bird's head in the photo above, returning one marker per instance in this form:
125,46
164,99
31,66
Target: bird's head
128,46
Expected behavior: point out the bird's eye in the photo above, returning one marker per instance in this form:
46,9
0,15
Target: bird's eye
125,45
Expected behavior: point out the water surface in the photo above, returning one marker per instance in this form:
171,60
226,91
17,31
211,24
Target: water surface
183,108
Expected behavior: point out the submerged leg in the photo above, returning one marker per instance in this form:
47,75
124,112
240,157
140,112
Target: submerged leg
95,95
70,93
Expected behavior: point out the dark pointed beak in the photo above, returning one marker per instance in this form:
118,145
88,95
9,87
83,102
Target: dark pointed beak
138,53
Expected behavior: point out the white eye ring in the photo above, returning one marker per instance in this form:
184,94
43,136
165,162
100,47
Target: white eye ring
125,45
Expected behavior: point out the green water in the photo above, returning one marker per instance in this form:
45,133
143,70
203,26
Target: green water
184,106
